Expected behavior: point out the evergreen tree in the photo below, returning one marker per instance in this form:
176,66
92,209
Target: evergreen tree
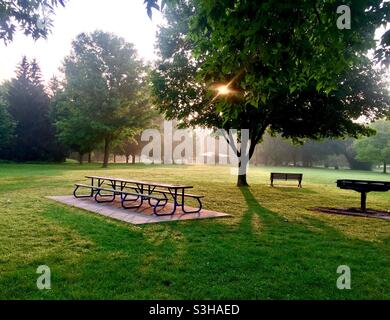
54,86
29,106
7,125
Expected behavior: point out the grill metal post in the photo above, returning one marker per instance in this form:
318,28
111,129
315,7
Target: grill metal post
363,199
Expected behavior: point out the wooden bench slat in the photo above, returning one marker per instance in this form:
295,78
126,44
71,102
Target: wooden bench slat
179,194
132,193
86,186
193,195
119,191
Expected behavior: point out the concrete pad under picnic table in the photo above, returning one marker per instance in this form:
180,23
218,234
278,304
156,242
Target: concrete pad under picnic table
142,215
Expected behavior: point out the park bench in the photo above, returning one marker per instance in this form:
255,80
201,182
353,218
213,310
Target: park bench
286,176
139,191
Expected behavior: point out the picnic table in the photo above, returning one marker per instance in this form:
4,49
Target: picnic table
135,191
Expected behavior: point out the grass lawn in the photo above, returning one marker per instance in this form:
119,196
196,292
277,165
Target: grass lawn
271,248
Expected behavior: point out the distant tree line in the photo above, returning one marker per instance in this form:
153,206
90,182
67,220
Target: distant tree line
278,151
102,103
357,154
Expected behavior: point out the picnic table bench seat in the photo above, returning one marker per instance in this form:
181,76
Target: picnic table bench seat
185,195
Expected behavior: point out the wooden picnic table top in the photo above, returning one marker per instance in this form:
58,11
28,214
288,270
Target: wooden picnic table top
147,183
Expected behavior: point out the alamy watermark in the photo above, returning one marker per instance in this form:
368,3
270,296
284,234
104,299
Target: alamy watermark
344,20
44,280
185,146
344,280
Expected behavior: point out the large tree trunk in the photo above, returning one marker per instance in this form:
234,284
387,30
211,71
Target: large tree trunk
90,157
133,159
127,158
384,166
244,162
106,152
241,181
241,178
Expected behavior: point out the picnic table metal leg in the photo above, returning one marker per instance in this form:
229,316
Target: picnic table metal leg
92,190
175,204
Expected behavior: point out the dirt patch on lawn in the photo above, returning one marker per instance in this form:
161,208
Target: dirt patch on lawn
369,213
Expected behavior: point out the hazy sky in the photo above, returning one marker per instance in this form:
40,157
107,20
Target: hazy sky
126,18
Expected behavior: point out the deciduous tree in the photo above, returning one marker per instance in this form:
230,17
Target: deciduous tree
376,148
104,92
33,18
279,65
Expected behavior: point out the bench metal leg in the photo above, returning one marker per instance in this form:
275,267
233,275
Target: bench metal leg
83,196
165,201
124,200
104,196
193,211
176,204
157,205
174,196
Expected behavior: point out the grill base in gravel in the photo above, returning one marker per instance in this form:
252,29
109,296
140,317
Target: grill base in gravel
354,212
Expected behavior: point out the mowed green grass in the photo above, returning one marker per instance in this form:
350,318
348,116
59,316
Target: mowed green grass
272,247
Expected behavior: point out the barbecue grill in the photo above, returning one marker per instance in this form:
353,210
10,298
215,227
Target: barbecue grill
364,186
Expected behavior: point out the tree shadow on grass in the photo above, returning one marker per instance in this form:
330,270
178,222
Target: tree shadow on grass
123,262
267,256
263,256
